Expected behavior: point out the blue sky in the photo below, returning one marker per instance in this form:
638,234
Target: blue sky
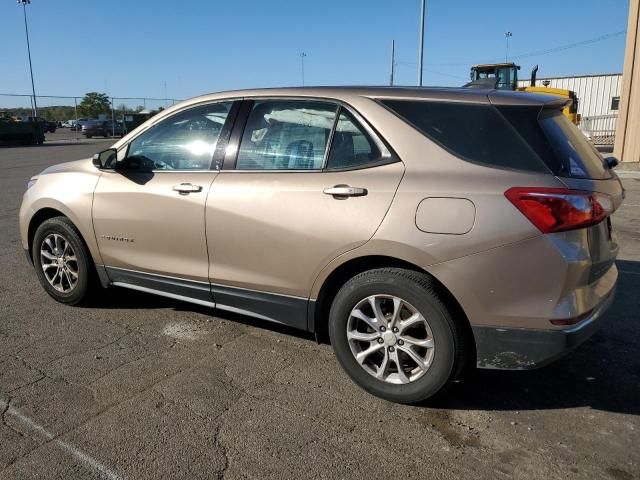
131,48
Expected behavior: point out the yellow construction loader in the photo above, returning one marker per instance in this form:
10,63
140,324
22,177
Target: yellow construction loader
504,76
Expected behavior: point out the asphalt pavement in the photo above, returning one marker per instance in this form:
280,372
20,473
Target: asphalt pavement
142,387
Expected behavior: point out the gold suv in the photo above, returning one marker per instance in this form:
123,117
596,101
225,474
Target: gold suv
420,230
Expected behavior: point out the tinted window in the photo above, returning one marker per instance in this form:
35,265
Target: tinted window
286,135
351,146
525,121
571,147
478,133
184,141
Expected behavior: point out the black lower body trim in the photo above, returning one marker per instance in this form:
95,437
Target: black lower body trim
291,311
176,286
525,349
284,309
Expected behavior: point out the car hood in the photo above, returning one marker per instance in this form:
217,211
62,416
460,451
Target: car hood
85,166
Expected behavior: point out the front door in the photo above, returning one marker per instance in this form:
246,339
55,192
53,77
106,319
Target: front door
149,211
291,204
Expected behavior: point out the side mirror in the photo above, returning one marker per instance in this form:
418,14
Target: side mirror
105,158
611,162
135,163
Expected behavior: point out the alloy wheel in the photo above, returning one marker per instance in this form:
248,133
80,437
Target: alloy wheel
390,339
59,262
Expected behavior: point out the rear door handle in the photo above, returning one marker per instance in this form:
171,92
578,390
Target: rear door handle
185,188
345,191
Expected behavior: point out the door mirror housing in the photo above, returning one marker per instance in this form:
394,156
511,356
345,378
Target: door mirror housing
105,158
135,163
611,162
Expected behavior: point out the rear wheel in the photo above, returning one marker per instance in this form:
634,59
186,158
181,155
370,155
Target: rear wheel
394,336
61,260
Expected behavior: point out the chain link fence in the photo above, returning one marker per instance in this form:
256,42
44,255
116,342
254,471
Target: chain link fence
64,114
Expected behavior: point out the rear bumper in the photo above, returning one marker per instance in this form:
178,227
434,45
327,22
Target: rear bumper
524,349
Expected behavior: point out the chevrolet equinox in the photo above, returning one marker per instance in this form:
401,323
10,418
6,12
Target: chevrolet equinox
419,230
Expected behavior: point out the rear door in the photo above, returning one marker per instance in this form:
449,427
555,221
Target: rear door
309,181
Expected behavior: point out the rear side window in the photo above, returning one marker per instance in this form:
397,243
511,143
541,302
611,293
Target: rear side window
477,133
351,146
286,135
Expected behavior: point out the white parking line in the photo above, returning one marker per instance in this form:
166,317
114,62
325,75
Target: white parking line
78,454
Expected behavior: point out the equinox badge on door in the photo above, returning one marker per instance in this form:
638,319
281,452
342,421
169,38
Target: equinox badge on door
117,238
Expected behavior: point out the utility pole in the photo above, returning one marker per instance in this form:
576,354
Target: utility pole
420,47
507,36
24,4
302,55
393,60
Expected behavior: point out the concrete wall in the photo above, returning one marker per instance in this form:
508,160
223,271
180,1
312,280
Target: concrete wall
627,146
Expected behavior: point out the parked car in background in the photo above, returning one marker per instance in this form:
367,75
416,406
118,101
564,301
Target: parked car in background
102,128
423,230
45,125
49,126
77,124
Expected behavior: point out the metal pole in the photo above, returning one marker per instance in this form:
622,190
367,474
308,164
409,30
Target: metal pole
507,36
75,107
393,60
26,30
165,94
420,47
302,55
113,120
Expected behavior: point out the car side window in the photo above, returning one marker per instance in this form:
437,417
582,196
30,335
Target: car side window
351,146
286,135
184,141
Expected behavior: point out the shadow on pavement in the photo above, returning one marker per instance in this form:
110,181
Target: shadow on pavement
123,298
603,373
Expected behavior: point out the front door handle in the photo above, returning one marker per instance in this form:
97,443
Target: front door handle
186,188
345,191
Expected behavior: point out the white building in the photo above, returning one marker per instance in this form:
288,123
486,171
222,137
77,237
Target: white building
598,101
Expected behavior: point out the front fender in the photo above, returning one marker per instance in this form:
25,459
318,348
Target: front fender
71,195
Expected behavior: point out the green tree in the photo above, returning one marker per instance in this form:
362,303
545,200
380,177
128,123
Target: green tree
93,104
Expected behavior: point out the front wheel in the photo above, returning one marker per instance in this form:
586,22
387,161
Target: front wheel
394,336
61,260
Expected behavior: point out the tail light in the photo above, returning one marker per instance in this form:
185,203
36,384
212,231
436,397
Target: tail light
560,209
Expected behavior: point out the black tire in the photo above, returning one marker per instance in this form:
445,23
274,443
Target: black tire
420,291
89,136
63,226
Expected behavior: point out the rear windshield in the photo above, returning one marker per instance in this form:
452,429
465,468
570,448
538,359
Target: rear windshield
521,138
571,147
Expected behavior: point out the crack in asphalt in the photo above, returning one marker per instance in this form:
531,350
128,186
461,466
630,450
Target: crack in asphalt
118,403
